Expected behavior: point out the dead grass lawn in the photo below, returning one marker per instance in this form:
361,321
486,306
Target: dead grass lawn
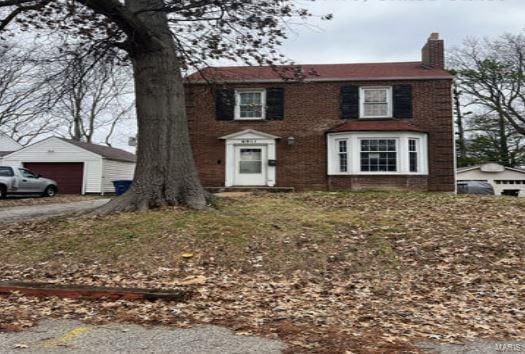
327,272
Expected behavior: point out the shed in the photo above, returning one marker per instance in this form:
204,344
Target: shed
505,180
78,167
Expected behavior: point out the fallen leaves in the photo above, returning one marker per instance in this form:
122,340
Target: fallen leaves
363,272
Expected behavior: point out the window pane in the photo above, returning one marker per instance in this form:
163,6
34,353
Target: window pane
27,173
250,104
250,154
375,95
378,155
6,172
250,161
342,146
412,154
375,109
250,98
250,111
247,167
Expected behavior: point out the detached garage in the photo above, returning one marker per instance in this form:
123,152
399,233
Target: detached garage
78,167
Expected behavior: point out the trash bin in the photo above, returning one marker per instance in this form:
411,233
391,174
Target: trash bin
122,186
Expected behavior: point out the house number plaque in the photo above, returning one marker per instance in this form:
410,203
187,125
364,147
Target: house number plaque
248,141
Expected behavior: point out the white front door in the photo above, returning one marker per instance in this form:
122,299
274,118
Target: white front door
251,163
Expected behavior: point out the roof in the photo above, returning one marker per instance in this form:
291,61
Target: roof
375,125
4,153
107,152
469,168
321,72
249,134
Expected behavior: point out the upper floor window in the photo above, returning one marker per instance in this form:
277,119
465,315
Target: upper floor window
250,104
376,102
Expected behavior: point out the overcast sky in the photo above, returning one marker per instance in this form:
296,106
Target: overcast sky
395,30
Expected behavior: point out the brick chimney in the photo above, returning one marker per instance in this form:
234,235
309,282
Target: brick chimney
433,53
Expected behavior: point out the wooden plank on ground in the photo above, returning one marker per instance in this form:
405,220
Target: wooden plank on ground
91,292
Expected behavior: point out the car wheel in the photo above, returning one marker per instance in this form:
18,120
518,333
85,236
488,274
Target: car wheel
50,191
2,192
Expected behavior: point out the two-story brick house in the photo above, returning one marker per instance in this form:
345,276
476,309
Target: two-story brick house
344,126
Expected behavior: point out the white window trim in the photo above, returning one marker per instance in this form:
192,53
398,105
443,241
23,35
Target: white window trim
237,115
388,99
354,152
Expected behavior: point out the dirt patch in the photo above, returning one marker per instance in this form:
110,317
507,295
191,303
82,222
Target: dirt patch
28,201
326,272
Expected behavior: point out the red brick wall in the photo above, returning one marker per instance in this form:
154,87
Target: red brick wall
358,183
311,109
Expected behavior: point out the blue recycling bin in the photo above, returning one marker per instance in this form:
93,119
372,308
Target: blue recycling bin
122,186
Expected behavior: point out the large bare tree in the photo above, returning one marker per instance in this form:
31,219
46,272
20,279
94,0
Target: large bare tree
24,99
91,96
162,37
491,74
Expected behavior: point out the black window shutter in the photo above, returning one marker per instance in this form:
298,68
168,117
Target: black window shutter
225,104
402,101
349,102
275,103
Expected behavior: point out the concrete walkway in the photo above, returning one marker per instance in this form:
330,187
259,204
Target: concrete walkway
25,213
64,336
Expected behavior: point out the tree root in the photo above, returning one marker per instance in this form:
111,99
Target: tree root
131,201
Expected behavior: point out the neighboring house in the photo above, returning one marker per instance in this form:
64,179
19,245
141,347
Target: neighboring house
7,146
345,126
504,180
77,167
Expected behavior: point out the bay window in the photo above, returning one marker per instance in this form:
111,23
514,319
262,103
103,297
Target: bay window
387,153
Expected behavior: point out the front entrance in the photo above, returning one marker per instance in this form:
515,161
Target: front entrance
250,159
250,165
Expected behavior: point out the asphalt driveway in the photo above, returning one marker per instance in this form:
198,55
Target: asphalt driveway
65,336
26,213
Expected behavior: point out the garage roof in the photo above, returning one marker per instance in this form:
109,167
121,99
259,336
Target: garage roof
107,152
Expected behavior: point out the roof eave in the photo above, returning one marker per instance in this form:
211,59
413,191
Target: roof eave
336,79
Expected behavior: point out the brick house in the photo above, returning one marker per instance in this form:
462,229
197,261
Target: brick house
344,126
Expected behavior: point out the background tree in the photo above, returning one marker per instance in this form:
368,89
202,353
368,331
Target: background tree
162,38
492,140
24,100
492,73
490,84
92,95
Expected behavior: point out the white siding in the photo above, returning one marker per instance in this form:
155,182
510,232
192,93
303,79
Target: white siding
478,175
116,170
57,150
8,144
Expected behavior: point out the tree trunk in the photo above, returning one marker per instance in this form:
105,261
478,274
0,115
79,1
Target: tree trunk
166,173
462,150
503,143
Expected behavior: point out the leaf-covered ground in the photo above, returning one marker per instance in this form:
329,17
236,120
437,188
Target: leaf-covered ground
325,272
13,201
